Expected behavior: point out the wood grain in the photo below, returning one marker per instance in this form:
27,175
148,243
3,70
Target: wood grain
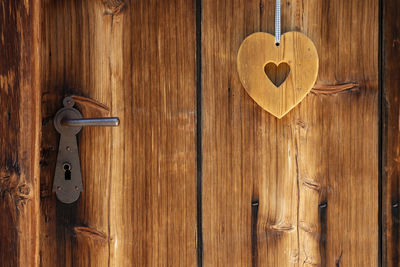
137,58
298,191
19,133
302,190
390,134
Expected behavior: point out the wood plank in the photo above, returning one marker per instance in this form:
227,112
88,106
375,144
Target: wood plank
137,58
390,134
19,133
302,190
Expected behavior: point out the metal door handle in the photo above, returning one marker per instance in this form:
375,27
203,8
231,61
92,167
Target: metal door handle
68,122
112,121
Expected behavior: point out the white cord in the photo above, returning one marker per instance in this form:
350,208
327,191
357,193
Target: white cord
278,22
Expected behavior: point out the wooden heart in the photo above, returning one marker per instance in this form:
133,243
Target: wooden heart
253,62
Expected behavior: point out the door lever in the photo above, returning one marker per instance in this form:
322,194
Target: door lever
112,121
68,122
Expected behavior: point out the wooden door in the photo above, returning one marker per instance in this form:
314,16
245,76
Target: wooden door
197,174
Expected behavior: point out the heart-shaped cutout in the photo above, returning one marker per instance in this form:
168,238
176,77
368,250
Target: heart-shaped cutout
277,74
258,78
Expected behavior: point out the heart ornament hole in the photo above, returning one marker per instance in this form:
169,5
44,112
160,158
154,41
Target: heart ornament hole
277,74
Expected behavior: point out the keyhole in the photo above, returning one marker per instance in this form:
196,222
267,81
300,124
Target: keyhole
67,170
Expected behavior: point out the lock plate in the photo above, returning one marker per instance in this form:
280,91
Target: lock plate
67,178
68,122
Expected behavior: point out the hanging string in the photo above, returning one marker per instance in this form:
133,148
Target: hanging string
278,22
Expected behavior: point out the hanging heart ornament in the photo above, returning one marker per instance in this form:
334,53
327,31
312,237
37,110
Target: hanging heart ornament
277,77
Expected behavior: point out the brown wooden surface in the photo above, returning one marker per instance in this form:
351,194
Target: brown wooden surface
137,58
390,134
303,190
19,133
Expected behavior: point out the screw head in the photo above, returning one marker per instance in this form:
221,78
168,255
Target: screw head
58,188
68,148
68,102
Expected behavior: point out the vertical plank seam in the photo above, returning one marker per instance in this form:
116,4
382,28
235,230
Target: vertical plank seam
381,132
199,149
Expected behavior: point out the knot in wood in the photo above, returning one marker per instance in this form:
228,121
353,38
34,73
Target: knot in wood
114,7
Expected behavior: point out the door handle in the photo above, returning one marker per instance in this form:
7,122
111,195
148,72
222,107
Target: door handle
68,122
112,121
